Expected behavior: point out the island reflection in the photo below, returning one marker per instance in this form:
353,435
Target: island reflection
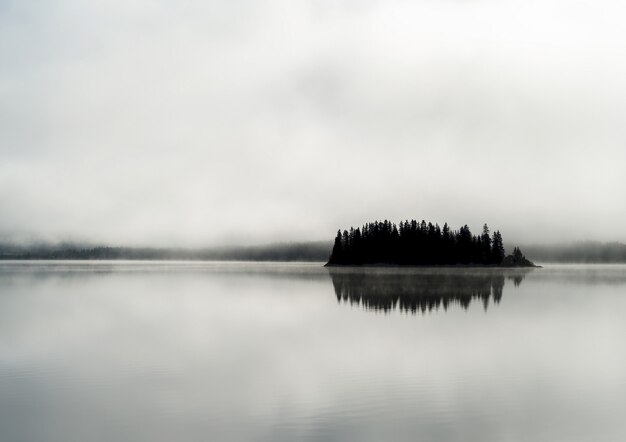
421,290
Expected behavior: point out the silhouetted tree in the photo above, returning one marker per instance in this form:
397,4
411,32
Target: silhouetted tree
336,256
416,243
497,248
485,239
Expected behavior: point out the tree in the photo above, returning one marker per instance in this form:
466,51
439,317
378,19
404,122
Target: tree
346,246
336,257
497,248
486,246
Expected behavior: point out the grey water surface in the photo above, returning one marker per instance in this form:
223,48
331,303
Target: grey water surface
167,351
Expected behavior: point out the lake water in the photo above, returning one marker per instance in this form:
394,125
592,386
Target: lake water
137,351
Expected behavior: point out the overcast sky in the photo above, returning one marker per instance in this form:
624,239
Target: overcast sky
205,122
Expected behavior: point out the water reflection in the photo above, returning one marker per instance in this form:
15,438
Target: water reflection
108,351
421,290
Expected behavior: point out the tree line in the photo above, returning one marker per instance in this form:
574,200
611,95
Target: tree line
296,251
579,252
416,243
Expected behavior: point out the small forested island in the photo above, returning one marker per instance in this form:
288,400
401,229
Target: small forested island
414,243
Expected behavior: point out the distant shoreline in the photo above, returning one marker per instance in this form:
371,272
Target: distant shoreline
434,266
588,252
322,263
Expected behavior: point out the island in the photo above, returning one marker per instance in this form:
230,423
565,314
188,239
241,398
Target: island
413,243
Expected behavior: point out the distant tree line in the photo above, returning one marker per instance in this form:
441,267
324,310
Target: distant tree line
297,251
416,243
579,252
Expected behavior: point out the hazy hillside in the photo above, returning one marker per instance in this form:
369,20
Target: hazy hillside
579,252
303,251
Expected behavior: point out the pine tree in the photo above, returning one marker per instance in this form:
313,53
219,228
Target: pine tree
486,246
336,257
497,248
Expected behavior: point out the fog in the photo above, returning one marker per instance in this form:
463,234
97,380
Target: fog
207,123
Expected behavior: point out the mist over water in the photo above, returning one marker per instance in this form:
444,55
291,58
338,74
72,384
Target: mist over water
281,352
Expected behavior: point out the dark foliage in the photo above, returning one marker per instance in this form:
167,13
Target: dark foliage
516,259
416,243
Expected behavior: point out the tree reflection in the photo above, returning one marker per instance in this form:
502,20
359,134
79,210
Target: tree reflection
421,290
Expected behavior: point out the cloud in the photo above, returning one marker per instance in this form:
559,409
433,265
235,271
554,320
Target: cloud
208,122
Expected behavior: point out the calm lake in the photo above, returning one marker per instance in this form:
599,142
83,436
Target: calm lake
162,351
